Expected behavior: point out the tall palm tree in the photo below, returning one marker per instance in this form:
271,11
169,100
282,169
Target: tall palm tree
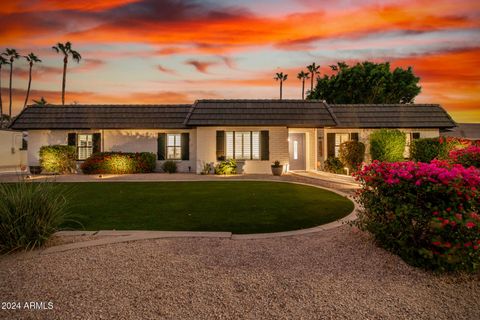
12,54
66,50
302,75
2,62
279,76
313,69
31,58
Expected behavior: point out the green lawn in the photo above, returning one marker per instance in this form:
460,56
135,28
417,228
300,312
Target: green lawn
236,206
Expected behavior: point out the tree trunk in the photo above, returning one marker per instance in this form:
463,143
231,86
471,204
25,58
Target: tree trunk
10,90
311,83
303,89
281,84
65,61
1,103
29,83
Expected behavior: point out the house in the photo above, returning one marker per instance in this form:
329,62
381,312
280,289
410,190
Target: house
299,133
13,152
469,131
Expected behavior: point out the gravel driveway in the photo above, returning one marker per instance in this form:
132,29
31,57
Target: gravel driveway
335,274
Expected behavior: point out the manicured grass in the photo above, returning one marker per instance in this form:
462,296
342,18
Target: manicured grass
236,206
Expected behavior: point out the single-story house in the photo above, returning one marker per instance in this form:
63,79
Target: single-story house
470,131
300,134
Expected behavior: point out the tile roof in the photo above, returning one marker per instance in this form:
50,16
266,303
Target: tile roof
464,130
391,116
292,113
102,117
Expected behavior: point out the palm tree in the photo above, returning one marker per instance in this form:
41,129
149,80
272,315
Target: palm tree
2,62
302,75
12,54
313,69
279,76
31,58
66,50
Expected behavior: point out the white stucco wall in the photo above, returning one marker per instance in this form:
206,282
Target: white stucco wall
364,134
113,140
11,155
146,141
278,143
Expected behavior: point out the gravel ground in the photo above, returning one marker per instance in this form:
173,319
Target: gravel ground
335,274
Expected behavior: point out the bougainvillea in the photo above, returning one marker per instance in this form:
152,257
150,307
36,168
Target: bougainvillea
427,213
119,163
467,157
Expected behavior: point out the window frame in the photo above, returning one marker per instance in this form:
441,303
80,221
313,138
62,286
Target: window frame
88,154
250,140
337,146
174,146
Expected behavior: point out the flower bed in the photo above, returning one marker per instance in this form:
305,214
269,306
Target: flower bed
467,157
425,212
119,163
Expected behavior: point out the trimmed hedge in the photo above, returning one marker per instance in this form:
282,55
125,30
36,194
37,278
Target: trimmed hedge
351,154
427,213
119,163
387,145
58,159
169,166
424,150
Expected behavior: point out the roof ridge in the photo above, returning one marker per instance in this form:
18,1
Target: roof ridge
332,114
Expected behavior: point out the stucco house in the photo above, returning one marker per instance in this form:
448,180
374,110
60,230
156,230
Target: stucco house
300,134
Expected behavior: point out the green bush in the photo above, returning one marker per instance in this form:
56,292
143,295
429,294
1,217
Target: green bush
424,150
334,165
30,213
226,167
387,145
119,163
58,159
352,153
169,166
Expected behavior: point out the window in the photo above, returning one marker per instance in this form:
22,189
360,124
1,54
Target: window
242,145
339,139
415,135
174,146
84,146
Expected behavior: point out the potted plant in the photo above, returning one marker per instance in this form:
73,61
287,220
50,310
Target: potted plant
277,168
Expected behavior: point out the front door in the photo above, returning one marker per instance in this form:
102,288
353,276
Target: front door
296,147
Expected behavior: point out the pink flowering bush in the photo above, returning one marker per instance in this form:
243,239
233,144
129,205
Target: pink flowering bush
467,157
427,213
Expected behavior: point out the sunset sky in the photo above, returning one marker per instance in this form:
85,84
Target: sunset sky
177,51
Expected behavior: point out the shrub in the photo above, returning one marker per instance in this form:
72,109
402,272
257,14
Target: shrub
30,213
427,149
58,159
424,150
334,165
169,166
427,213
119,163
467,157
352,154
226,167
387,145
